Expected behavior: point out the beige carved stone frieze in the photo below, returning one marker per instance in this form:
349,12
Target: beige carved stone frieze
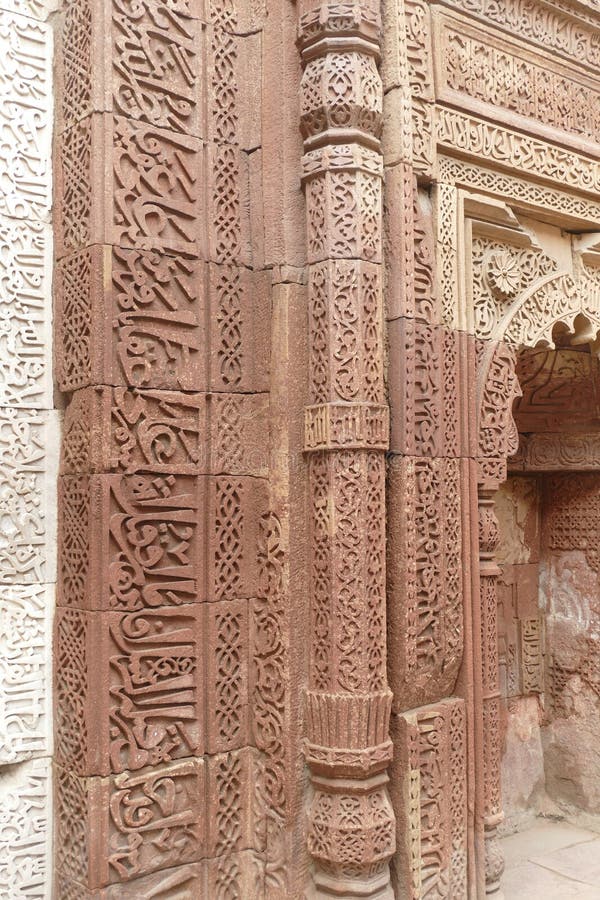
479,70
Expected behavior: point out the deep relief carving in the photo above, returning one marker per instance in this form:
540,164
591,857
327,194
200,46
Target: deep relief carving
573,519
557,452
418,48
152,187
114,429
351,834
552,27
143,541
427,365
559,394
151,820
424,579
269,653
498,389
150,685
573,208
349,425
341,90
160,607
521,83
508,149
500,274
346,321
432,748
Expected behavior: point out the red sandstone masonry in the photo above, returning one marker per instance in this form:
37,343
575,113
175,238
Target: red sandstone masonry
162,329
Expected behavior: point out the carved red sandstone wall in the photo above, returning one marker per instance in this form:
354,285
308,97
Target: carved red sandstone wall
171,646
182,276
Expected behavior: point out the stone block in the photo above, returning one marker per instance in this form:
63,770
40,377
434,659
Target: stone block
339,179
26,613
228,206
184,882
131,542
226,695
135,690
243,874
233,87
115,429
147,320
122,182
128,688
239,329
235,798
131,60
131,318
113,830
345,302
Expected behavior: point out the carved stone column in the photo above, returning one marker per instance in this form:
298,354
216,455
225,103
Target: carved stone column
490,694
351,823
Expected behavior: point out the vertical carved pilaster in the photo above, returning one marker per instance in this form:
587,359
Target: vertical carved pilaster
488,572
351,823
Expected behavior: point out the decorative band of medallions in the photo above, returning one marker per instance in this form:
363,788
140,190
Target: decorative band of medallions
348,426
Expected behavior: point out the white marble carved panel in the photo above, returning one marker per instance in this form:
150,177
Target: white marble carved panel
28,466
25,832
25,671
25,314
29,438
25,117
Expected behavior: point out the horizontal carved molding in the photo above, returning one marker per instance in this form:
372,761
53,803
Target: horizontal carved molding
349,762
508,149
346,425
520,87
349,156
555,452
